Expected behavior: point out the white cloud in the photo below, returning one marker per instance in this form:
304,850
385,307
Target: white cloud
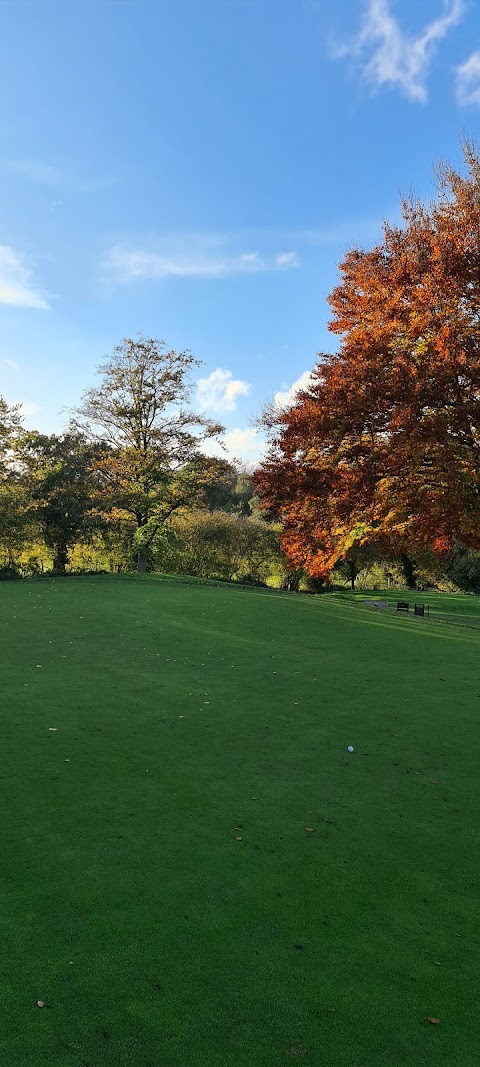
244,444
11,363
17,288
220,390
285,398
395,58
194,257
468,80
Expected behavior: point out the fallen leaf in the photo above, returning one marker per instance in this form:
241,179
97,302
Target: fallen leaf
40,1004
238,839
430,1019
309,829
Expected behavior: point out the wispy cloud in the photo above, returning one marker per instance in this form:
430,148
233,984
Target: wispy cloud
219,392
395,58
287,259
284,398
11,363
194,256
69,176
17,286
468,80
36,171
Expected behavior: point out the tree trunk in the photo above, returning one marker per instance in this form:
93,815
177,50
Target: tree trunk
60,559
408,567
353,573
142,561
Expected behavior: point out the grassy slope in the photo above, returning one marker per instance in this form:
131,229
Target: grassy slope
187,946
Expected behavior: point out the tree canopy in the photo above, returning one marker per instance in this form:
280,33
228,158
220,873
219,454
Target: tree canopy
152,463
384,447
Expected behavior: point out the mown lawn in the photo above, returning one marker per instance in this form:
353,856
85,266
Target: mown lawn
165,744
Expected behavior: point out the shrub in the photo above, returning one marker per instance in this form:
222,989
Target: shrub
9,573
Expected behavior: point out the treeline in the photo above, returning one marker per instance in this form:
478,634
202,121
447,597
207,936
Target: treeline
127,486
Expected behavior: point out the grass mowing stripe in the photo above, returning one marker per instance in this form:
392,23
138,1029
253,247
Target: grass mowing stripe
129,908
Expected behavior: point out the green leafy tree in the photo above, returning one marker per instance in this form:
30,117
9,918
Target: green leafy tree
153,463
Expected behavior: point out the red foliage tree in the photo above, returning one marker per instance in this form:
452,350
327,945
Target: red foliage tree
384,447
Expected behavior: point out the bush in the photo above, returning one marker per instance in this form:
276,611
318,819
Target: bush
465,571
251,579
9,573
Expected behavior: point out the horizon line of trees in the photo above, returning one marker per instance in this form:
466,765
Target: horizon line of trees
78,501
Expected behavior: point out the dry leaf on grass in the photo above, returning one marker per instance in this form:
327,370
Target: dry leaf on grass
310,829
430,1019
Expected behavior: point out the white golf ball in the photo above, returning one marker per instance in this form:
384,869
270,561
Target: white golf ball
350,748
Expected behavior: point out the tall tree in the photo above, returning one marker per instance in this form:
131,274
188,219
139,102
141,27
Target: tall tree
140,412
384,447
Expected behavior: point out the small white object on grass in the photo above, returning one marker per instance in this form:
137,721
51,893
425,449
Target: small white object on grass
350,748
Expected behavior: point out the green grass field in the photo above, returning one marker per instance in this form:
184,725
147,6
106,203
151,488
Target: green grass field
165,745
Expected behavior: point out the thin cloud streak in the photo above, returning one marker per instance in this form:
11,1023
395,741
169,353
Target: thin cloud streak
197,257
35,171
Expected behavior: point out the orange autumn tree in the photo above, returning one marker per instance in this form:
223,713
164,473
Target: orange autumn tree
383,449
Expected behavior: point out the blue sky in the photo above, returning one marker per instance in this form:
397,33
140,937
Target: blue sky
195,169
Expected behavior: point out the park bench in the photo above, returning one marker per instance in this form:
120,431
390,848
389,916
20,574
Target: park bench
403,607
